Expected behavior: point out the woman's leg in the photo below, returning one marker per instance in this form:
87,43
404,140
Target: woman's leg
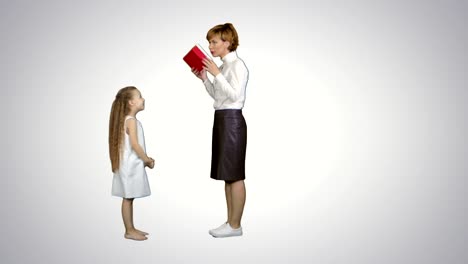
238,195
127,216
227,189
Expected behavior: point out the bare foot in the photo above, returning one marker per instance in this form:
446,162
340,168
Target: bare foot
141,232
135,236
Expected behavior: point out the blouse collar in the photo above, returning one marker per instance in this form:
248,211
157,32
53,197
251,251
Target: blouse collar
231,56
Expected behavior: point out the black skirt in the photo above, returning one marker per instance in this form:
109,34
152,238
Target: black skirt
229,145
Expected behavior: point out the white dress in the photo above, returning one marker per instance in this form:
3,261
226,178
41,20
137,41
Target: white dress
130,181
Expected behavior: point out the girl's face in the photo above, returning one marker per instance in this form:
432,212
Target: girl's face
137,102
218,47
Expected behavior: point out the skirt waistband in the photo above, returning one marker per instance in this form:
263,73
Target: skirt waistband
228,112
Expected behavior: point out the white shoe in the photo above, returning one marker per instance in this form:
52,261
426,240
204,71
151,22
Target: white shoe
227,231
218,228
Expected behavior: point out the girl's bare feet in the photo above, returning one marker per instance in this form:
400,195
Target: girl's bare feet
134,235
141,232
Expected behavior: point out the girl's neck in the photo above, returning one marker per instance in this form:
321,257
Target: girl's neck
133,113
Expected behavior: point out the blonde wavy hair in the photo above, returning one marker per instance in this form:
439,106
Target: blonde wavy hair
120,108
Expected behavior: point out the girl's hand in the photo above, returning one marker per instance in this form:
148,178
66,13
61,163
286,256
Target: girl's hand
149,163
200,74
211,67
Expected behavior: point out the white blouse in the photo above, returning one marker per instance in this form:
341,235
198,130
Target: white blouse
228,87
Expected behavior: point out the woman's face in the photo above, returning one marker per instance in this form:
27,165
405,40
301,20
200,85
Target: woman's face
218,47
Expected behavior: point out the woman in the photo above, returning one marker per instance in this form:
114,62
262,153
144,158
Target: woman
229,129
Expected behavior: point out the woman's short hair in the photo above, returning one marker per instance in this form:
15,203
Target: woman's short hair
226,32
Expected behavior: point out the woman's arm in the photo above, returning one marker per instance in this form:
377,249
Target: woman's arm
208,85
233,88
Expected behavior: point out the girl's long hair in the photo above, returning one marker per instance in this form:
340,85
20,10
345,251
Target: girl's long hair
120,108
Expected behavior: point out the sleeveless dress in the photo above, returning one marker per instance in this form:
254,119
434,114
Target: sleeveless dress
131,181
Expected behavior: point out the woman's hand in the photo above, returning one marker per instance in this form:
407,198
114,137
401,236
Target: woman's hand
211,67
200,74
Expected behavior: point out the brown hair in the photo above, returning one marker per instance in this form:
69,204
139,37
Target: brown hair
120,108
226,32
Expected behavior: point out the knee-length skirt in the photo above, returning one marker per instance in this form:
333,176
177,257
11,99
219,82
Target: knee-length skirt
229,145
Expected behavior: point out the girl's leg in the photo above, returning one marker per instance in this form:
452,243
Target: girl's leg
127,216
139,231
238,195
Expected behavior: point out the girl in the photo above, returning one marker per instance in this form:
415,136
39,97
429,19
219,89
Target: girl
229,129
128,155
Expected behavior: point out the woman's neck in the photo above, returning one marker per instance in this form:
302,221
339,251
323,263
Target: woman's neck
224,55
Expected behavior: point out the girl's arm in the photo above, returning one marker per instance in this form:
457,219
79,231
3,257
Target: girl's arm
132,133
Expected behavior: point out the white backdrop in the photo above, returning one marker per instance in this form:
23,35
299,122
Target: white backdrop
357,124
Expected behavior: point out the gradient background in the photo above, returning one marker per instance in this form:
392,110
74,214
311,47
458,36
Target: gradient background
357,120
